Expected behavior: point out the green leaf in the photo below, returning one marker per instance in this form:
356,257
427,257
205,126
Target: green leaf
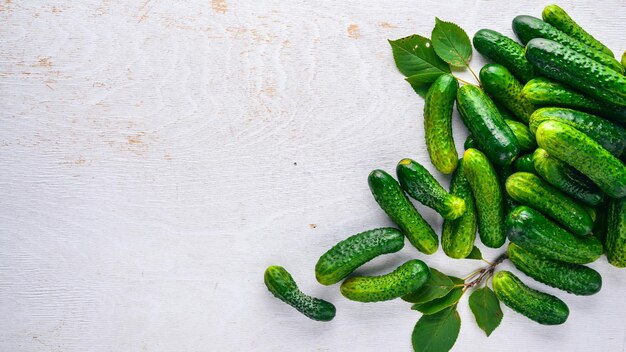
475,254
439,304
415,54
486,308
438,285
451,43
437,332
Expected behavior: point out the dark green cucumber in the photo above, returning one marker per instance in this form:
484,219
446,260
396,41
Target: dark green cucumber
560,20
573,278
576,70
528,27
524,163
566,178
525,138
491,132
389,195
601,222
543,92
616,233
422,186
487,192
584,154
349,254
407,278
504,51
505,89
280,283
611,136
457,236
438,123
529,229
536,305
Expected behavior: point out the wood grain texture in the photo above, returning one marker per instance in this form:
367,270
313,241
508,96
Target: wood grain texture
158,155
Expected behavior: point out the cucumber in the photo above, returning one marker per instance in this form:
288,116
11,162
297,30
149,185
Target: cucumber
491,132
528,27
422,186
504,51
457,236
566,178
567,66
536,305
393,201
349,254
485,186
624,59
407,278
585,155
529,229
560,20
438,123
611,136
524,164
601,223
573,278
529,189
616,233
505,89
280,283
524,136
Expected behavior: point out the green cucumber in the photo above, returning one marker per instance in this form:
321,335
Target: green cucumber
393,201
280,283
524,136
504,51
487,192
584,154
567,66
505,89
616,233
536,305
407,278
457,236
438,123
624,59
529,229
422,186
482,118
524,163
349,254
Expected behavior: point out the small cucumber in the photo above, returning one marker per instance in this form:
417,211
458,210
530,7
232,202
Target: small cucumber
422,186
491,132
407,278
577,70
573,278
505,89
616,233
487,192
536,305
504,51
457,236
524,136
438,123
393,201
566,178
529,229
349,254
584,154
524,164
280,283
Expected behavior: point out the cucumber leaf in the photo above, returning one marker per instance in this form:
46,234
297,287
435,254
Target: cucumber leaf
486,308
475,254
439,304
436,332
437,286
415,54
451,43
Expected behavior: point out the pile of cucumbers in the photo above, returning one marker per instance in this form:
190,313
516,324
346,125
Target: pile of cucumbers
543,168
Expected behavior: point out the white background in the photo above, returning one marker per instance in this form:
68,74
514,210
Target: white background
158,155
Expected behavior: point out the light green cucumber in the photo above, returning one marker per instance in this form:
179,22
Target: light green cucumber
616,233
457,236
506,90
438,123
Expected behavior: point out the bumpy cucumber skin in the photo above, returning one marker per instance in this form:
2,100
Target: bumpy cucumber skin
611,136
569,67
560,20
525,138
616,233
536,305
524,163
407,278
349,254
438,123
528,27
505,89
458,236
388,194
504,51
584,154
489,129
566,178
422,186
529,189
529,229
488,196
280,283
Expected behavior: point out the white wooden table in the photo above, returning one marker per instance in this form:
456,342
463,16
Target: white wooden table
158,155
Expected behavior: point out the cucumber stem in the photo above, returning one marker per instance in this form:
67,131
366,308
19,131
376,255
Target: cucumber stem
484,273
